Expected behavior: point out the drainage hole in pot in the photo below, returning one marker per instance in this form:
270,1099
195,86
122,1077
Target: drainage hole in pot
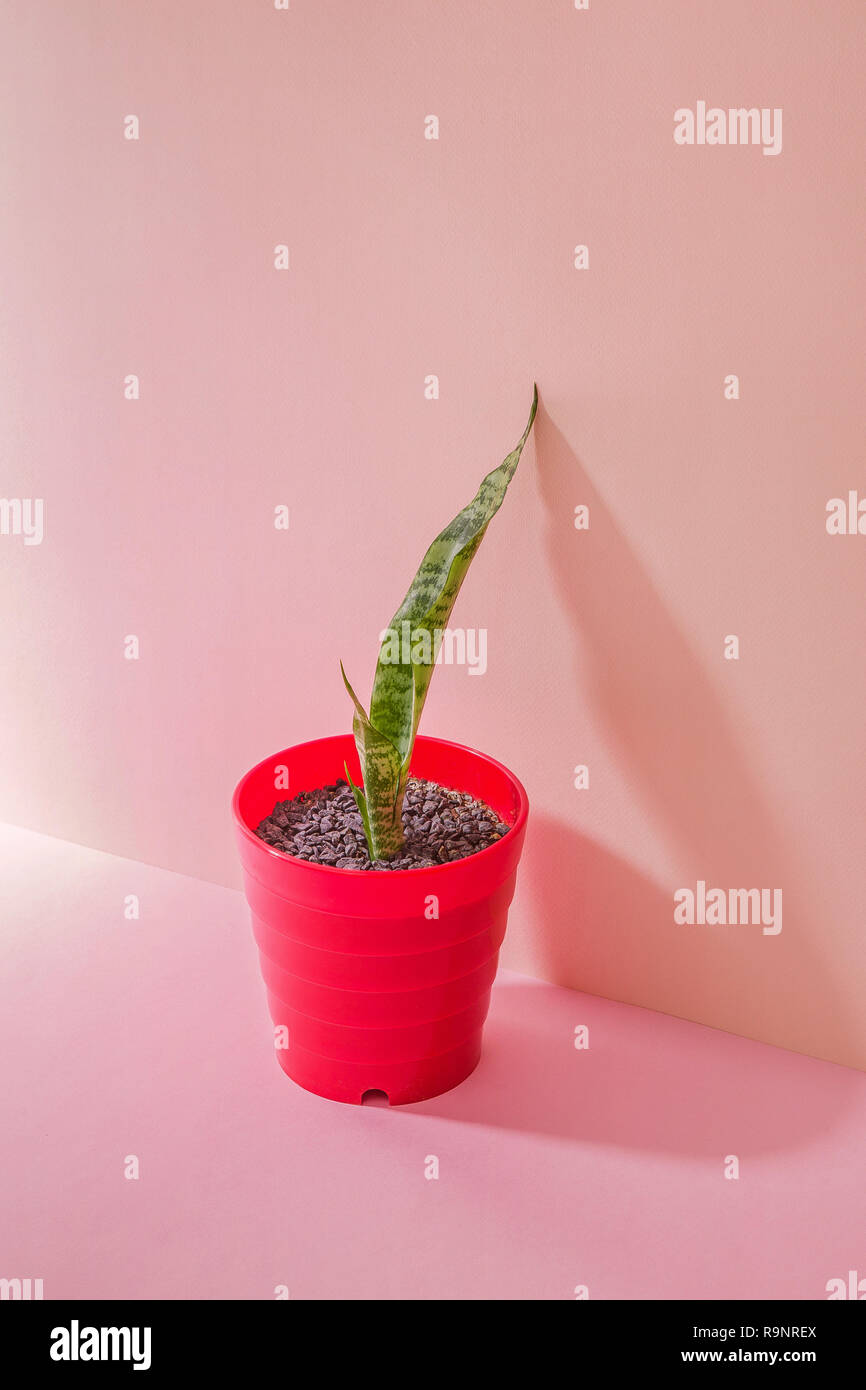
373,1097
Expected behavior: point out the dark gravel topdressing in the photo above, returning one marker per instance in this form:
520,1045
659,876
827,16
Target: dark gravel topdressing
324,827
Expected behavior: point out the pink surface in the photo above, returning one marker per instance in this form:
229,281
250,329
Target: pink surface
305,388
558,1167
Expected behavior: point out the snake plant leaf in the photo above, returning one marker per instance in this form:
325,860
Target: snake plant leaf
407,657
360,801
381,766
400,688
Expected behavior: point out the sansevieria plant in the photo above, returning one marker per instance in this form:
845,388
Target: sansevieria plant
385,737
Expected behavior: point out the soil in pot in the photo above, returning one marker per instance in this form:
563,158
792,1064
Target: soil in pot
324,827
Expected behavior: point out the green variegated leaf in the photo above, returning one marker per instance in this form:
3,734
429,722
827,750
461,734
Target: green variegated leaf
360,801
384,739
399,689
381,767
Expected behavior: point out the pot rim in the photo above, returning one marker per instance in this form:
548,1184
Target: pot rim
301,864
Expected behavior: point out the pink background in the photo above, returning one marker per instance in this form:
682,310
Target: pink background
305,387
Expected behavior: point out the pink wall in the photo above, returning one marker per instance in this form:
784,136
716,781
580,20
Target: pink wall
306,387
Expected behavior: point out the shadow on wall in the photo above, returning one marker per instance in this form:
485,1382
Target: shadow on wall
601,925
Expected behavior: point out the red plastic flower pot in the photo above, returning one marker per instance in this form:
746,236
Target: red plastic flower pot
378,981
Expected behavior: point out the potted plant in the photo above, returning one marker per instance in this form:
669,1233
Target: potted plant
379,866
